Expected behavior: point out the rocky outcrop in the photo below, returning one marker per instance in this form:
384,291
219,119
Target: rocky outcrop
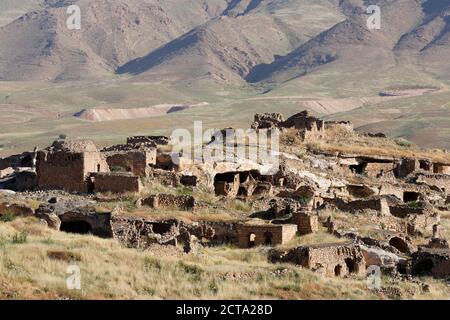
82,219
15,209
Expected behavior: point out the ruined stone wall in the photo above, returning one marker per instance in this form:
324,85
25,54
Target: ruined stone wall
116,183
267,121
418,224
393,224
328,259
407,166
391,190
225,188
403,210
61,170
213,232
306,222
435,262
441,181
137,162
134,232
167,178
94,162
170,201
377,204
67,170
278,234
378,170
442,168
158,140
169,161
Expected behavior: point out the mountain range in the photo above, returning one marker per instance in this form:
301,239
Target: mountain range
228,41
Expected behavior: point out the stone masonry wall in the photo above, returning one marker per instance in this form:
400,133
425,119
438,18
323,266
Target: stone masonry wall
116,183
169,200
61,170
280,234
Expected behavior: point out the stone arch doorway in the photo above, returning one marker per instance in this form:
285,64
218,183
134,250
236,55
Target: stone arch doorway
251,240
352,266
399,244
268,238
338,270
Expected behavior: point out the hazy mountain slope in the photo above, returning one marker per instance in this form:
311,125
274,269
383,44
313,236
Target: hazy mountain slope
271,41
12,9
39,46
430,40
349,42
247,34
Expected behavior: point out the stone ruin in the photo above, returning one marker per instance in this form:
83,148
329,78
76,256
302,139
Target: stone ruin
242,183
137,161
338,259
253,234
78,166
169,201
67,164
307,222
75,218
149,140
434,261
401,195
268,121
309,127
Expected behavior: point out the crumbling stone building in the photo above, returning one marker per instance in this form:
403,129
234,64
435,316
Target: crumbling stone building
183,202
326,259
307,222
268,121
431,261
253,234
66,165
138,161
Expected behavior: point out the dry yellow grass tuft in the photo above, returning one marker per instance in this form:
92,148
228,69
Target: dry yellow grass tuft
339,140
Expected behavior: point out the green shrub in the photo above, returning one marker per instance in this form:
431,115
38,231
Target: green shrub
118,169
7,216
304,200
213,287
414,205
19,237
183,190
152,264
194,271
402,142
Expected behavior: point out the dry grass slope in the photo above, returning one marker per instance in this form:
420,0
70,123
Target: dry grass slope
34,267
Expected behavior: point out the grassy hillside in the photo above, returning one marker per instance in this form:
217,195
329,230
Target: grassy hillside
34,261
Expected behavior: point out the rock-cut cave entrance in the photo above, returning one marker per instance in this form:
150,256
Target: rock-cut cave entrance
80,227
